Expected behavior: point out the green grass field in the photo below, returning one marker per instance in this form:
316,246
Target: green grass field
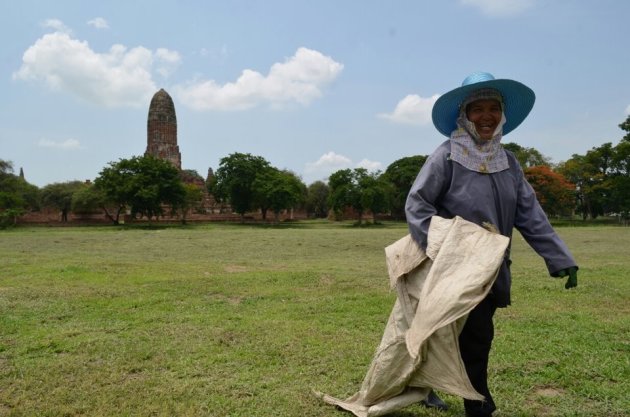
238,320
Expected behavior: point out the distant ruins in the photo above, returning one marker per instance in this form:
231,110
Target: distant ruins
162,129
162,143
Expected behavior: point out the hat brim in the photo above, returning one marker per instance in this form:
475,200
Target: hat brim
518,100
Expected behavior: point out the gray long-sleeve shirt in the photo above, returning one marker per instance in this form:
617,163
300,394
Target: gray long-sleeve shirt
447,189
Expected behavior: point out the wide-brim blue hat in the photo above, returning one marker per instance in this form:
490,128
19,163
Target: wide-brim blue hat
518,100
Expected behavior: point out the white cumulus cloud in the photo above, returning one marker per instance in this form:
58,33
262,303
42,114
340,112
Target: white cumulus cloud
168,61
370,165
628,109
299,79
98,23
116,78
331,162
412,109
499,8
328,162
56,25
66,144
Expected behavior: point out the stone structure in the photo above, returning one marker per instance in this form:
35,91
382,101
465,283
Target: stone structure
162,143
162,129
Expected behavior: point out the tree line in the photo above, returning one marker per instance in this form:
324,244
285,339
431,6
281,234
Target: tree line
590,185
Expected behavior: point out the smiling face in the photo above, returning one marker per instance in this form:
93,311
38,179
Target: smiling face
486,115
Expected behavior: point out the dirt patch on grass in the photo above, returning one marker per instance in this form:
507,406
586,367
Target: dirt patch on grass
234,300
326,280
230,299
548,392
235,268
540,398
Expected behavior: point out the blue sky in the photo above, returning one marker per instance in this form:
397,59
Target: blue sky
311,86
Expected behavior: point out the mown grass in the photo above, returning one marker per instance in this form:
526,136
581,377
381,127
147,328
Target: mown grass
238,320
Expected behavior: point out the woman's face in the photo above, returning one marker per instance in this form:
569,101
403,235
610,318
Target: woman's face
486,115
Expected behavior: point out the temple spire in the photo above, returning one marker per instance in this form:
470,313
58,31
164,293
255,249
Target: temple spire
162,129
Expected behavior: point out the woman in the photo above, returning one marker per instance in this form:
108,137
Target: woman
472,176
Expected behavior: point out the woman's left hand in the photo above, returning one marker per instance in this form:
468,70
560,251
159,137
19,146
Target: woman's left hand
572,273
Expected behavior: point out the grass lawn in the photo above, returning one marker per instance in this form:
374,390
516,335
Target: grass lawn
238,320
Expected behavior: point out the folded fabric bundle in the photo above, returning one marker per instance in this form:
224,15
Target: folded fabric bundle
436,290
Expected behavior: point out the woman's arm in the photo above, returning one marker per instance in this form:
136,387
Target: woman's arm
533,224
423,199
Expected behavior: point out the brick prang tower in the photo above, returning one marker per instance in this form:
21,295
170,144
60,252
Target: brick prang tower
162,129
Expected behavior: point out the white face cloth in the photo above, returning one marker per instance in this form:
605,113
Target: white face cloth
468,149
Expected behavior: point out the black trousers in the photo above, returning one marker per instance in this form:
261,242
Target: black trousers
475,342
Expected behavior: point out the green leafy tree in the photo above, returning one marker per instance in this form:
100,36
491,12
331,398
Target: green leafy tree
261,189
234,180
621,196
527,157
602,178
278,190
625,126
401,174
621,159
193,196
90,199
317,199
600,160
574,170
16,195
359,190
59,195
621,180
591,174
344,192
144,184
191,174
375,193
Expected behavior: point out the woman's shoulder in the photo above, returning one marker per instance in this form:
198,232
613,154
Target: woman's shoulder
515,165
440,158
513,160
442,151
510,155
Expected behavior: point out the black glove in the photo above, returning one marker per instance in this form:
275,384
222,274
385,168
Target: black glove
572,273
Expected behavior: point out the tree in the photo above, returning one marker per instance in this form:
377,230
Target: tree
317,199
144,184
90,199
278,190
554,192
234,180
191,174
600,160
343,192
261,189
59,196
375,193
527,157
193,195
591,174
359,190
621,159
578,171
621,180
401,174
621,196
16,195
625,126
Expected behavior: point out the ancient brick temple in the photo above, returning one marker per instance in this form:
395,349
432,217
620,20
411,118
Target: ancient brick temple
162,129
162,143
